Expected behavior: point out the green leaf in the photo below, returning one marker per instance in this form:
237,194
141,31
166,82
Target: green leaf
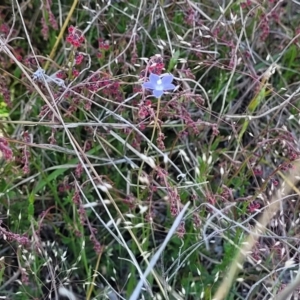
173,61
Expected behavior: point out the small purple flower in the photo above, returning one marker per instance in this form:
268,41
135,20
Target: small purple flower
159,84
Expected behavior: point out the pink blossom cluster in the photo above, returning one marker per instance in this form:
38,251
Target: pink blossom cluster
75,37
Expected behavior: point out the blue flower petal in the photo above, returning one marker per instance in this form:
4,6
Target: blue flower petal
157,93
148,85
153,78
167,79
169,86
159,84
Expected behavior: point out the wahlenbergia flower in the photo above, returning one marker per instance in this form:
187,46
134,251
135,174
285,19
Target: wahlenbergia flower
159,84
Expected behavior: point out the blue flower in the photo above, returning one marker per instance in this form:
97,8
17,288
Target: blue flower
159,84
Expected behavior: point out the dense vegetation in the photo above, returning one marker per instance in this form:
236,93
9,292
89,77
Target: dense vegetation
149,136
